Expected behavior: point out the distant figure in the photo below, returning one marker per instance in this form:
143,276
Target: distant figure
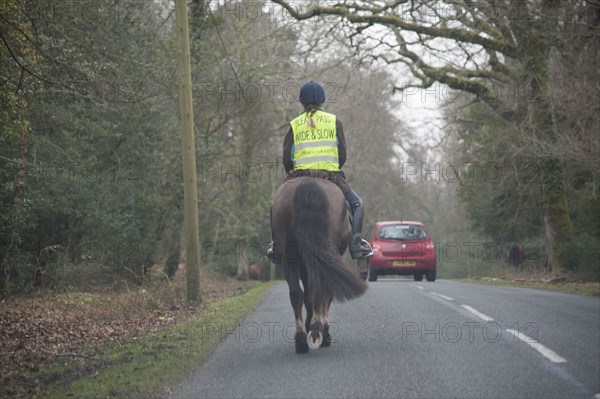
254,272
516,255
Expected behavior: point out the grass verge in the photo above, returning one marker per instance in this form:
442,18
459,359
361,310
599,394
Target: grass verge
150,364
591,289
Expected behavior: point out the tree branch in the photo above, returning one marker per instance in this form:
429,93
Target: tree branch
368,16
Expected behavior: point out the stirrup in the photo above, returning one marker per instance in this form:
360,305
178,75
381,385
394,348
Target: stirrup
369,247
365,242
270,253
361,251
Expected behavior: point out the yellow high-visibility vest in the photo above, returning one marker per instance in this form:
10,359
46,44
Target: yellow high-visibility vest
315,148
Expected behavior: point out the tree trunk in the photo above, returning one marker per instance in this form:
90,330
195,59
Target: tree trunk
558,228
19,218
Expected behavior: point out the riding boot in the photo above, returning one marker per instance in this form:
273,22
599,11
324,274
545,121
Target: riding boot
358,247
273,254
270,253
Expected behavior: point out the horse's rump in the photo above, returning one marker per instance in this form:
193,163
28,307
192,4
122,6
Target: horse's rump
311,226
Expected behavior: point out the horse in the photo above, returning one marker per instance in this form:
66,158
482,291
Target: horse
311,231
516,255
254,272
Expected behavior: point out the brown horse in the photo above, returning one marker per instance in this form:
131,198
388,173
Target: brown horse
311,232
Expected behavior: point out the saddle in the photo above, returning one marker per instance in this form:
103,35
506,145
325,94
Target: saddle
320,174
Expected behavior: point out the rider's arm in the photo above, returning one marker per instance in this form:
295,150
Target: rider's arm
286,159
341,143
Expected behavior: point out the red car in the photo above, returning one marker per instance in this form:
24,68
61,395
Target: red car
400,248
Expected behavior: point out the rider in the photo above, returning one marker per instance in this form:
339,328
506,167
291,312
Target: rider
315,146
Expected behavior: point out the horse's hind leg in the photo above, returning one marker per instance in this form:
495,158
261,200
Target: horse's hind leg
326,335
296,298
314,322
307,304
319,325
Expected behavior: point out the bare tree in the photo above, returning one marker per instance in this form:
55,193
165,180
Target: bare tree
478,48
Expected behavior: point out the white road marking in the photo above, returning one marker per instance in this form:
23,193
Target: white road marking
442,296
597,396
546,352
418,286
477,313
543,350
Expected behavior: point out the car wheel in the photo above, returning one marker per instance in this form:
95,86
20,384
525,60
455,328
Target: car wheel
431,275
418,276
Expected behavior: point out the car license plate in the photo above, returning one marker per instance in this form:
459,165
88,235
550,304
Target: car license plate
403,263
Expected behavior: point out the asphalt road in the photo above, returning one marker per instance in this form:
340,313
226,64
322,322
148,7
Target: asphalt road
406,339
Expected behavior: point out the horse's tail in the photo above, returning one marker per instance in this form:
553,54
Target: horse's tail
326,270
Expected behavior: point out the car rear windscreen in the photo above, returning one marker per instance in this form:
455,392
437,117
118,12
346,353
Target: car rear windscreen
402,232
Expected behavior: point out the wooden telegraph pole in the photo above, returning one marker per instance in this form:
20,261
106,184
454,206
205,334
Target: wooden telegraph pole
190,187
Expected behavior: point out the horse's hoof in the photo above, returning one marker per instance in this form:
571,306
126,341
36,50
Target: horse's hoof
301,347
314,343
301,343
326,338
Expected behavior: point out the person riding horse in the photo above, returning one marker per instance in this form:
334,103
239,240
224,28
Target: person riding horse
315,146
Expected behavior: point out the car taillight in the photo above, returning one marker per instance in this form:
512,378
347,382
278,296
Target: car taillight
430,246
376,248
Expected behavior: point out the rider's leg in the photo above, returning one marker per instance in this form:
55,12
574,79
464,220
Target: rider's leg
357,249
273,251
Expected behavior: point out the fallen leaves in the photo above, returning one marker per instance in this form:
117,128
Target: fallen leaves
39,329
35,332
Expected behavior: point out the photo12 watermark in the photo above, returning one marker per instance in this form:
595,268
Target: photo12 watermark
467,331
453,332
254,332
438,93
466,173
271,92
75,172
450,252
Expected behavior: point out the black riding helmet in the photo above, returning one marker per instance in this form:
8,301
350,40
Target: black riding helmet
311,93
